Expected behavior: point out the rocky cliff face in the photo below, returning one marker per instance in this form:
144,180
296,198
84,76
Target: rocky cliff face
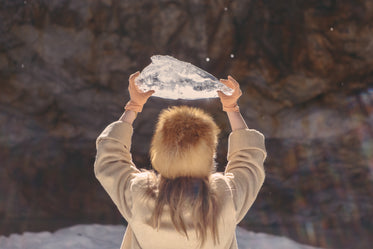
305,68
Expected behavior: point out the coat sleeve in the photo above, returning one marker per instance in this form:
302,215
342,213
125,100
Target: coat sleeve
113,167
245,171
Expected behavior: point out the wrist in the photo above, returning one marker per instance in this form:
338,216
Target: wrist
133,106
236,121
128,116
231,108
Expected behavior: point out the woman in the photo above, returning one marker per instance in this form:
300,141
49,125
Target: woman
186,204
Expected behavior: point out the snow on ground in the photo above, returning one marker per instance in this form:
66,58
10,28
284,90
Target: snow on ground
110,237
251,240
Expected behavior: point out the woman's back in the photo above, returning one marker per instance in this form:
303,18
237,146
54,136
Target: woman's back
166,236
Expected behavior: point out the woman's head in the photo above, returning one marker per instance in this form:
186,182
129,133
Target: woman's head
184,143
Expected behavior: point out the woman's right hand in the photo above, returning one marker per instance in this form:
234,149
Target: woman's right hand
229,102
138,97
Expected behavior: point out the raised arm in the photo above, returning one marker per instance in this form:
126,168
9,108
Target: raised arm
230,105
128,116
246,153
113,166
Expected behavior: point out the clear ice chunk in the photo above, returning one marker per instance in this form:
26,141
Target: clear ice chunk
174,79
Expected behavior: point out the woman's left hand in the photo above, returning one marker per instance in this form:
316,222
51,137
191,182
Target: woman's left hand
138,97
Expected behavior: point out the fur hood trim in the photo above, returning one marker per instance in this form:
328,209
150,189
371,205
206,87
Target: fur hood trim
184,143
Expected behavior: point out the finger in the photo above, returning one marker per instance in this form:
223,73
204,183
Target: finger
237,92
227,83
221,94
135,86
132,86
133,76
235,83
149,93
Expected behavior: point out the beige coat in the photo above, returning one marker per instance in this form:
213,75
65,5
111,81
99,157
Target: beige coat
237,189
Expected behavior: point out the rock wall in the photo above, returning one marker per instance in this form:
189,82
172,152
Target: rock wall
305,69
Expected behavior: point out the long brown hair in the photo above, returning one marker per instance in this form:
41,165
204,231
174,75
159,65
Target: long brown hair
182,151
196,194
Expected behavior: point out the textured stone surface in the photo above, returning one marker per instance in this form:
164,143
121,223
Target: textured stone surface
305,68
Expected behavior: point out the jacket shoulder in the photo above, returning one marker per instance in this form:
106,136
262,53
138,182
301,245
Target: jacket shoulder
142,181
